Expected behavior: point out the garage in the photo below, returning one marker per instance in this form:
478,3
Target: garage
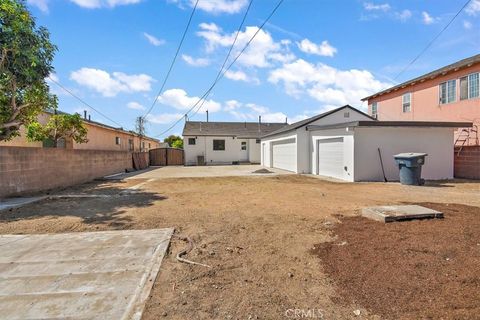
330,158
284,154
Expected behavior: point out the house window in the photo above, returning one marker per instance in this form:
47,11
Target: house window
447,92
346,114
192,141
244,145
474,85
407,102
143,145
464,88
130,144
218,145
117,141
374,108
257,141
149,146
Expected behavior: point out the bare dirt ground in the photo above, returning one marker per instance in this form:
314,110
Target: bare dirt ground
257,233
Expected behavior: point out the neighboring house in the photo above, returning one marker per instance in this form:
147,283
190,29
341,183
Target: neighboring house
451,93
344,143
224,142
100,137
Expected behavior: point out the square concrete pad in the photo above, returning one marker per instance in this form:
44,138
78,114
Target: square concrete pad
398,213
84,275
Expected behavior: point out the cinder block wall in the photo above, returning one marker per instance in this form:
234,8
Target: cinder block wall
467,163
25,170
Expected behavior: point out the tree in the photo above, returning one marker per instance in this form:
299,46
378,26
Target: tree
174,141
59,126
26,56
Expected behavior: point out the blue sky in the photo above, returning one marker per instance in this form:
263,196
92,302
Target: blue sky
312,56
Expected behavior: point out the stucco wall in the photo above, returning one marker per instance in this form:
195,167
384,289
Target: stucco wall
425,104
437,142
26,170
232,152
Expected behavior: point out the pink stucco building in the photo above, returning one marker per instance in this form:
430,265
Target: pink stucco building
451,93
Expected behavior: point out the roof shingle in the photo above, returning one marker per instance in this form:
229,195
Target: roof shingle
252,130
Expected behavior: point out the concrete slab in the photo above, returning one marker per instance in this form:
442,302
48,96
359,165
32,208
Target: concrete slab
84,275
199,172
11,203
399,213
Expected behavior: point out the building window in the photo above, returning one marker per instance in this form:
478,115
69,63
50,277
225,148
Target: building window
469,86
407,102
117,141
374,108
346,114
149,146
257,141
143,145
218,145
447,91
244,145
130,144
192,141
464,88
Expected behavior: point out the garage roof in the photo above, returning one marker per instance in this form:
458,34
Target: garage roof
252,130
305,122
427,124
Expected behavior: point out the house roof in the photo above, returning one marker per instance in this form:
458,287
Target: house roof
252,130
304,122
451,67
425,124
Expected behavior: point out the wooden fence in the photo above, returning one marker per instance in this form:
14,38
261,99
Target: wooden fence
166,157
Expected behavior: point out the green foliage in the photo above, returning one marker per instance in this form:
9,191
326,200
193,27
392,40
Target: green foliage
59,126
177,144
26,56
174,141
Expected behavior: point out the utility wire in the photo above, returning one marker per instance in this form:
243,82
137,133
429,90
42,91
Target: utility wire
228,68
228,55
173,61
83,101
432,41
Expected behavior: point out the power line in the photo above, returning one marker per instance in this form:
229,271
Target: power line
432,41
228,68
83,101
173,61
228,54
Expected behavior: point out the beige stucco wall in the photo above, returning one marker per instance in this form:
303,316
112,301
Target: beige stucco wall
99,138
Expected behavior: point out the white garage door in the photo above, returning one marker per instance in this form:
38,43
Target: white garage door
284,155
330,158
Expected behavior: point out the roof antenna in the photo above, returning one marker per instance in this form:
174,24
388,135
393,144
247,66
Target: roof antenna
259,123
186,118
207,115
286,120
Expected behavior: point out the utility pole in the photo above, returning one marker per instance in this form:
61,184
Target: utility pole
140,128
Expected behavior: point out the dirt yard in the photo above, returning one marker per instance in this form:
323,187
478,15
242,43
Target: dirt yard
256,233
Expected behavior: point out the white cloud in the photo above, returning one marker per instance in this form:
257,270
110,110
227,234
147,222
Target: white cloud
153,40
326,84
109,85
262,52
427,18
404,15
467,25
94,4
40,4
241,76
251,111
196,62
323,49
135,106
369,6
164,118
473,8
178,99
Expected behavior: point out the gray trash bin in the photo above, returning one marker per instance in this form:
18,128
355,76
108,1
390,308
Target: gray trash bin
410,165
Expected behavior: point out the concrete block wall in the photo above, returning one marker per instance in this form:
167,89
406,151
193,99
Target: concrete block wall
467,163
26,170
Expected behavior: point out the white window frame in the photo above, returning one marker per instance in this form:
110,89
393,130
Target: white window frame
243,145
374,106
469,87
447,91
409,94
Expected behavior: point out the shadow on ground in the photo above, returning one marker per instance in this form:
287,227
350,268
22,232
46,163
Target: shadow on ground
94,211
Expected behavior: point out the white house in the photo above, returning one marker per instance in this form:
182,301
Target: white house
224,142
347,144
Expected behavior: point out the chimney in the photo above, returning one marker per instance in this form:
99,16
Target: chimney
245,125
286,120
259,119
85,114
200,126
89,118
186,118
207,115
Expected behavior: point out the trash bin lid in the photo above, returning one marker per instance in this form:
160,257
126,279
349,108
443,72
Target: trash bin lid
409,155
